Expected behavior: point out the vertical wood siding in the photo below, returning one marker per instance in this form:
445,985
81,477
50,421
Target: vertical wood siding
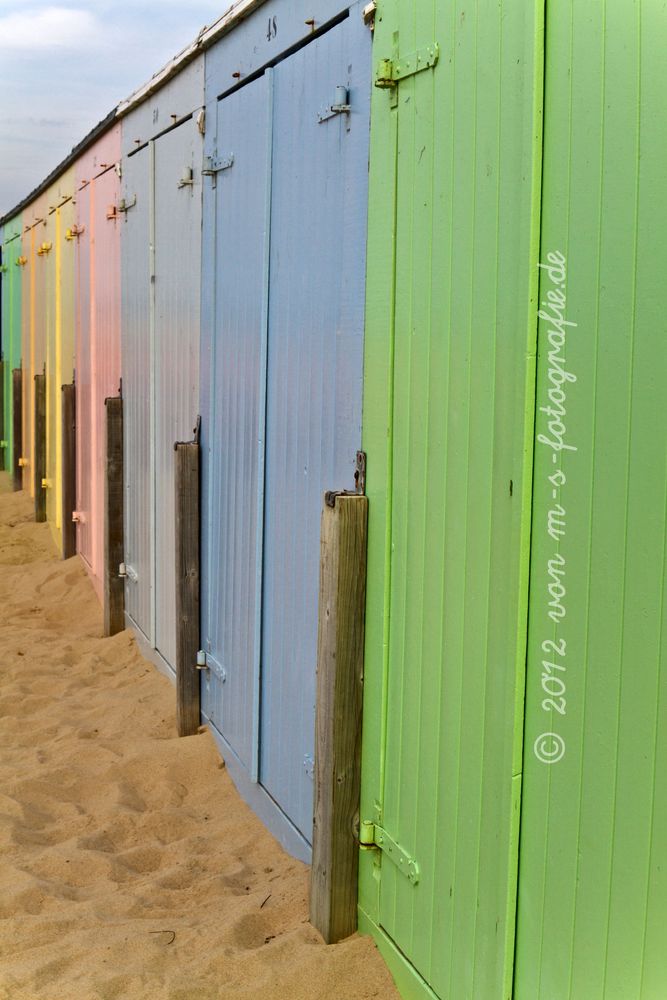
593,871
450,334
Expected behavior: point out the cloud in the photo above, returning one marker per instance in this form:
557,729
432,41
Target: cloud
49,28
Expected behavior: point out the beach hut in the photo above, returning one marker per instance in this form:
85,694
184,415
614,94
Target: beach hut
12,252
592,896
37,246
514,318
60,329
160,225
97,311
284,238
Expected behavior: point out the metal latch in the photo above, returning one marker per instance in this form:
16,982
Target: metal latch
201,660
372,836
23,463
340,106
390,71
47,484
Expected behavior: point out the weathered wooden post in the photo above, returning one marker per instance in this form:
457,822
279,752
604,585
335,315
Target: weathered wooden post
68,421
114,588
39,470
340,661
187,586
17,428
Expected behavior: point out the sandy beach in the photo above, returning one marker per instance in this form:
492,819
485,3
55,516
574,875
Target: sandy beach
129,866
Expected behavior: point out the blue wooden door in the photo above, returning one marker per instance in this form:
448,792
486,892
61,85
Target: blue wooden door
315,373
233,435
136,352
284,420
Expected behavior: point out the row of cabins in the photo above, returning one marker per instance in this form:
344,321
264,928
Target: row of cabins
473,324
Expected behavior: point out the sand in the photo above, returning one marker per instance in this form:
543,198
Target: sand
129,866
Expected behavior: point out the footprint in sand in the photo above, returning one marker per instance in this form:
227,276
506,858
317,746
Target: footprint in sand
240,882
40,586
129,798
252,931
137,861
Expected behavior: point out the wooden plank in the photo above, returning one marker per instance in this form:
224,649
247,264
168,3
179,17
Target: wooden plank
17,427
187,587
68,418
340,663
39,470
114,589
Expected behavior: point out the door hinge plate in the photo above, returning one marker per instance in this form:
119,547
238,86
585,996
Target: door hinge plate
125,204
371,835
390,71
217,163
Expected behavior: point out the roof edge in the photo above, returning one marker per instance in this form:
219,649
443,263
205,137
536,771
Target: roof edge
71,158
208,35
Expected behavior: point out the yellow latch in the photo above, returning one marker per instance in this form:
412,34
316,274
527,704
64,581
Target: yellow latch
44,249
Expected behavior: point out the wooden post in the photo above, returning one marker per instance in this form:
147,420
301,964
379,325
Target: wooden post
187,587
114,589
340,662
39,470
68,419
17,427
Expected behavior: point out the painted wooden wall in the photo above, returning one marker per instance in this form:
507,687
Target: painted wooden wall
97,312
448,415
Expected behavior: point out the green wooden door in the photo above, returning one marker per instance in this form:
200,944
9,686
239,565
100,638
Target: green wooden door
593,861
11,325
449,382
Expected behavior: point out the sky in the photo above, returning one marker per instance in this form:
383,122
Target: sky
65,65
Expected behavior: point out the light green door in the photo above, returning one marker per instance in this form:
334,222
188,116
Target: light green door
593,861
11,326
449,370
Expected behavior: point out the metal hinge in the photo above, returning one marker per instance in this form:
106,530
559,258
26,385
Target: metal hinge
187,178
371,835
360,473
368,14
340,105
124,205
215,164
127,572
204,662
390,71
